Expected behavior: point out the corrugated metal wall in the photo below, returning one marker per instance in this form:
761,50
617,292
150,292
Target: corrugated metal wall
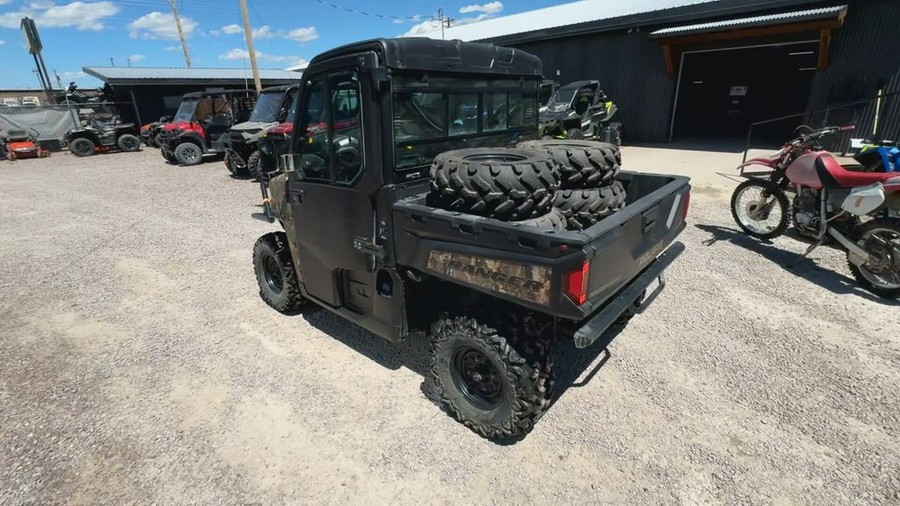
865,54
631,70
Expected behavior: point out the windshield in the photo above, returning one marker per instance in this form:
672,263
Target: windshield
563,97
186,109
434,114
267,107
292,107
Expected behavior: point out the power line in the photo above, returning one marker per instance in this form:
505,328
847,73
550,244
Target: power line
372,14
255,13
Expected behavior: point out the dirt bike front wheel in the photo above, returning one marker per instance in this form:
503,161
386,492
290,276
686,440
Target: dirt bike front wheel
881,272
760,208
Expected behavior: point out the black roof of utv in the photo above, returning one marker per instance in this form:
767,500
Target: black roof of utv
418,53
280,89
200,94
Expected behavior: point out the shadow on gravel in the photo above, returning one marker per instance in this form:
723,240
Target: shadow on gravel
573,368
792,262
413,353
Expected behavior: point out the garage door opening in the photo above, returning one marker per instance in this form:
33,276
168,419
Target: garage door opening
721,91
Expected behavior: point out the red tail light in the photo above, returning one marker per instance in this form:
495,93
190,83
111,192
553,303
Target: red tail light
687,205
577,283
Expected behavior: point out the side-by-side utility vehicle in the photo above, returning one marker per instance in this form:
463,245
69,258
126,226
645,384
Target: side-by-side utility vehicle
202,123
365,238
274,106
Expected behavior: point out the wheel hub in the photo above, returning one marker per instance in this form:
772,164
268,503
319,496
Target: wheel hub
272,274
476,377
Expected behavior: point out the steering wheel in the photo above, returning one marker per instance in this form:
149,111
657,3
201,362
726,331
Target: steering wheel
349,159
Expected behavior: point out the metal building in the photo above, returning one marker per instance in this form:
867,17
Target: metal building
156,92
700,68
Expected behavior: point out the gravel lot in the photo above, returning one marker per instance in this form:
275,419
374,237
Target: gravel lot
138,365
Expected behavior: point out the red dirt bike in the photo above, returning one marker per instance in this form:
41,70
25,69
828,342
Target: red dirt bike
859,210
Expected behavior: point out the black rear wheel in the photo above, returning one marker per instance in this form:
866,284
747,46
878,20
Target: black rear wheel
128,143
880,274
493,387
760,208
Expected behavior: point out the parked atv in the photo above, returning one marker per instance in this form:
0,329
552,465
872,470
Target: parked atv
581,110
18,144
150,131
202,123
274,106
102,136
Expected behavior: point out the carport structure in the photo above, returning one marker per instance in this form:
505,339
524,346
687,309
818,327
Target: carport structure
157,92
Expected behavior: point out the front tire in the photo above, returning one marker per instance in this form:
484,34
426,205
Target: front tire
484,382
254,165
275,273
881,275
128,143
188,153
760,208
82,147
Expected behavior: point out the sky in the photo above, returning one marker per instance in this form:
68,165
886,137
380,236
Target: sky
83,33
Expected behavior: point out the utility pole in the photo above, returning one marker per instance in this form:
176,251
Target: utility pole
187,56
445,22
249,34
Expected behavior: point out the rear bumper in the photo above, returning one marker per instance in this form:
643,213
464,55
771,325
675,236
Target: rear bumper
595,327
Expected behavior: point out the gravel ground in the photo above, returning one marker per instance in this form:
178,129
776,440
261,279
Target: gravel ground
138,365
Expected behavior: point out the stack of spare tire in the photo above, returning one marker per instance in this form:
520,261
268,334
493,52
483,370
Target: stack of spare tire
556,185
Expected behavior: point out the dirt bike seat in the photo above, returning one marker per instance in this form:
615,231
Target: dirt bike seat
833,175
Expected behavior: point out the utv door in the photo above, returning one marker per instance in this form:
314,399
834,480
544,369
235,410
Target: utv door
332,189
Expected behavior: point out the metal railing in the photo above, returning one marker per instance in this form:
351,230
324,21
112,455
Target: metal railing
860,130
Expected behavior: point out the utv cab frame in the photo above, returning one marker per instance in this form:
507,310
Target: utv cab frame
202,123
361,239
274,106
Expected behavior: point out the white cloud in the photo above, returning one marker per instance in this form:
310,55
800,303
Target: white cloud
243,54
4,2
172,48
231,29
81,15
488,8
303,35
423,27
433,25
75,74
2,42
263,32
136,58
157,25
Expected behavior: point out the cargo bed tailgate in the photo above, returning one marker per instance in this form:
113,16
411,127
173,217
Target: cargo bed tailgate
624,244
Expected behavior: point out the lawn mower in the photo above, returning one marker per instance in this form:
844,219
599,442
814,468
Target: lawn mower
16,144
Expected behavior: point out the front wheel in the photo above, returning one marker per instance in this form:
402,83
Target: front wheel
881,272
279,286
188,153
254,165
82,147
760,208
497,390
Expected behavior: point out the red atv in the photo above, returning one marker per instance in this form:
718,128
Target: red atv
202,123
